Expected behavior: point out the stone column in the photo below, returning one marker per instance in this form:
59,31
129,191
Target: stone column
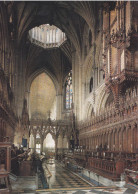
59,103
45,35
122,146
20,82
135,135
109,140
127,149
52,36
34,142
91,143
132,139
8,160
94,142
56,142
77,83
7,63
117,141
27,93
49,37
102,140
113,147
41,142
74,75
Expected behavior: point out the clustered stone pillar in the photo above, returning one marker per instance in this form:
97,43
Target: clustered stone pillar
56,142
41,143
59,98
34,143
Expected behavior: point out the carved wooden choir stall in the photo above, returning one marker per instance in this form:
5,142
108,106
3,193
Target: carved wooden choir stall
5,167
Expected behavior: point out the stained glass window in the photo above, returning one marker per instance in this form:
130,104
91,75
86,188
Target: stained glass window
69,96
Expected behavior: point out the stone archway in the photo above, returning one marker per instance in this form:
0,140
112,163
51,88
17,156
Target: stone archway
42,97
32,77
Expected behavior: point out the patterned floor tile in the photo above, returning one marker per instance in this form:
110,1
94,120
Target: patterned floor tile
63,178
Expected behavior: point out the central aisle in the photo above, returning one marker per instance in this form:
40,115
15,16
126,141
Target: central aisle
63,181
63,178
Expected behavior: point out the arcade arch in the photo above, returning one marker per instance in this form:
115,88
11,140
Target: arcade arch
42,97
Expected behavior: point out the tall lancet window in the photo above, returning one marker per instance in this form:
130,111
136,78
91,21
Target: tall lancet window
69,96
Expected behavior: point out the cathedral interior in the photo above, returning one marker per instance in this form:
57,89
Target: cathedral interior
68,97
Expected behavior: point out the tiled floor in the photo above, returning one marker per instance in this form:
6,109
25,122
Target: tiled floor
91,191
63,181
24,184
62,178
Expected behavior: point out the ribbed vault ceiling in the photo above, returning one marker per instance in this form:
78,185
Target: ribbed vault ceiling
70,17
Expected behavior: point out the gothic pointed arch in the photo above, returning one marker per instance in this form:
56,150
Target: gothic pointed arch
38,72
42,97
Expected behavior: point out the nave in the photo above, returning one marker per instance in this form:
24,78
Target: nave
68,89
